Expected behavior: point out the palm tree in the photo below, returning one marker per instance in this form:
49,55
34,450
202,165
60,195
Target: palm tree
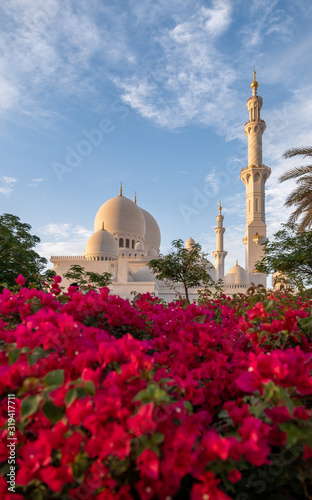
301,197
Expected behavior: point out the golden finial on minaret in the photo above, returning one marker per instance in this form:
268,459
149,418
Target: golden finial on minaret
254,84
135,200
220,208
120,191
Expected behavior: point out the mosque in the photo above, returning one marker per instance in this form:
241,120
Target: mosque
126,237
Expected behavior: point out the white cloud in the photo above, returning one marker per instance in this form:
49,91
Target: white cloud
35,182
7,185
62,239
61,230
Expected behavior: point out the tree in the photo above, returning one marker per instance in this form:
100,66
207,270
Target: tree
87,280
182,266
17,254
301,197
290,254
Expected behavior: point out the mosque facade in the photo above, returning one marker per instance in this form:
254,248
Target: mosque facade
126,237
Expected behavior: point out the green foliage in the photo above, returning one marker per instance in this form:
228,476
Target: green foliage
184,267
290,254
17,254
301,197
87,280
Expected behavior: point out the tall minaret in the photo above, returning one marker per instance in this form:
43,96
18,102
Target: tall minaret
254,177
219,254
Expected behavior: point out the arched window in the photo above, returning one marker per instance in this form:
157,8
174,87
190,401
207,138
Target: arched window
105,258
102,258
256,205
120,242
127,243
133,243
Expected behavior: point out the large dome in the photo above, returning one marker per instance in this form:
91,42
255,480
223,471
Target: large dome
144,274
152,233
237,275
101,244
121,216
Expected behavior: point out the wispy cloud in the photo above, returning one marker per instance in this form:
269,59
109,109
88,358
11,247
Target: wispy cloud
35,182
62,239
7,185
61,230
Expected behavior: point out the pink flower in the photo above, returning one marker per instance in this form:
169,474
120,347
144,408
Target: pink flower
20,280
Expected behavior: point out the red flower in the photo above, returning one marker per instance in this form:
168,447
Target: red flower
208,489
56,477
148,463
234,476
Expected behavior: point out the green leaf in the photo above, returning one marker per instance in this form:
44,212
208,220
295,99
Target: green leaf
70,396
81,392
188,406
14,355
157,437
37,353
30,405
54,378
90,388
296,433
52,412
165,380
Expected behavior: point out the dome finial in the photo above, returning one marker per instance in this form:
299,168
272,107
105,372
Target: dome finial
254,84
103,229
120,191
135,200
236,262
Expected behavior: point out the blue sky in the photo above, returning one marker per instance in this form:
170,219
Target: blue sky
160,87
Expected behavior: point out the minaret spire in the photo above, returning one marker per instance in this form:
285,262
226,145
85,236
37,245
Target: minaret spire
120,191
254,176
135,198
219,254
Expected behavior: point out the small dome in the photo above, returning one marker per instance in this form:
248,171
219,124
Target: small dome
152,252
211,270
121,216
189,243
144,274
101,244
152,233
237,275
139,246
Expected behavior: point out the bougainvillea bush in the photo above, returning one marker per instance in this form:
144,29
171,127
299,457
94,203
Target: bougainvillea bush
153,401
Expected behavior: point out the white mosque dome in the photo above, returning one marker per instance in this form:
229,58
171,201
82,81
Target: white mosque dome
101,244
139,246
144,274
152,252
211,270
237,275
189,243
152,234
121,217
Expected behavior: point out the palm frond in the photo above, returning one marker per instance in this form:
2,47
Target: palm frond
306,222
296,172
299,195
304,151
